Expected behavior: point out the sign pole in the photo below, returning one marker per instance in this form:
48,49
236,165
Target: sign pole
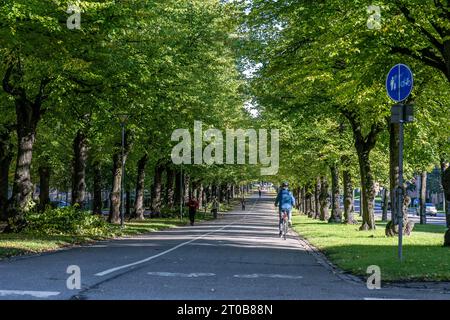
400,190
399,85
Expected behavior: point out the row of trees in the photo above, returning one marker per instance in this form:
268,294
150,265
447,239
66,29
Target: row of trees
322,72
163,63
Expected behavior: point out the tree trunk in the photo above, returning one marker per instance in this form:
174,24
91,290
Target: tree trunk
324,200
200,195
114,212
301,202
364,145
394,142
367,192
310,197
128,203
336,213
307,202
79,169
28,116
445,181
349,208
97,201
187,188
423,197
6,156
138,212
156,189
384,215
170,176
178,190
317,188
44,187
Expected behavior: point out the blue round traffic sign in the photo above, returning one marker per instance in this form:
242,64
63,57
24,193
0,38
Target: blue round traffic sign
399,82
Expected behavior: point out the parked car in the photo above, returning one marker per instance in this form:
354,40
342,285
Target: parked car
59,204
430,210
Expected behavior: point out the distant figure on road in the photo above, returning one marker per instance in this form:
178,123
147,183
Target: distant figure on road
193,206
259,192
285,201
215,207
243,203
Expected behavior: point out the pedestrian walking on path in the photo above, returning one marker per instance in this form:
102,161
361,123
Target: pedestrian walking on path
193,206
243,203
215,207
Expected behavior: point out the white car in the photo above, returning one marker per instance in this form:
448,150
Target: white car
430,210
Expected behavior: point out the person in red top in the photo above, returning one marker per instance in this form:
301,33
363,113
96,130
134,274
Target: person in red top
193,206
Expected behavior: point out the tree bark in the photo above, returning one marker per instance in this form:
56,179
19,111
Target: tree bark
384,215
317,189
170,176
394,143
97,201
156,189
445,181
128,203
423,197
310,197
200,195
44,187
114,212
367,192
138,211
6,156
324,200
187,188
364,145
79,169
22,196
349,208
28,115
336,213
178,190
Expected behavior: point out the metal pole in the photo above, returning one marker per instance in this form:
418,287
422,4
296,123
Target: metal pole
122,202
400,192
181,193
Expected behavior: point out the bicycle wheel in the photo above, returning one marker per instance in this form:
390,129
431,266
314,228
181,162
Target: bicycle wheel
285,227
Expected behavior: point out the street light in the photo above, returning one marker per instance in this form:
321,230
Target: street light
123,117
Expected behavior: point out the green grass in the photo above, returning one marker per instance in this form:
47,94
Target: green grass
425,258
30,243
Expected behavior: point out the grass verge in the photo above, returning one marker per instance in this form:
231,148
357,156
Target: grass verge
425,258
17,244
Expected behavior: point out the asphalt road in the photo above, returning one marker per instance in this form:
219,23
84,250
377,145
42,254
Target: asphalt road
238,256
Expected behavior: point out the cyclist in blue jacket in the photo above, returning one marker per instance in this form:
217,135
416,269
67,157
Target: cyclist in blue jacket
285,201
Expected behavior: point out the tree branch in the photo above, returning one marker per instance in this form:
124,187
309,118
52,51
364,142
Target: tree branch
427,56
434,41
7,87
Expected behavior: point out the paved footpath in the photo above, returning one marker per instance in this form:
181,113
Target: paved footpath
239,256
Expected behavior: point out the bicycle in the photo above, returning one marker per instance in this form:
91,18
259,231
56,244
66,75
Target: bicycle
284,223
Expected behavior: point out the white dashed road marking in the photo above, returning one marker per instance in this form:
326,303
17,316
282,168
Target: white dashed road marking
183,275
36,294
259,275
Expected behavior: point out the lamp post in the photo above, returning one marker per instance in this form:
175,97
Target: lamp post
123,120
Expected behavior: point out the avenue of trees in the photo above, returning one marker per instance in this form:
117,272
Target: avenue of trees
163,63
322,67
319,71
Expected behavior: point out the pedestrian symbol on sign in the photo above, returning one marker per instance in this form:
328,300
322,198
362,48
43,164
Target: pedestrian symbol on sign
399,83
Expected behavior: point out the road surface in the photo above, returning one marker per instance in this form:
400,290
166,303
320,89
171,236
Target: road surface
239,256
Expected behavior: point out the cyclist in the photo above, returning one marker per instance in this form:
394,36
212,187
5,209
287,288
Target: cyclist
285,201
